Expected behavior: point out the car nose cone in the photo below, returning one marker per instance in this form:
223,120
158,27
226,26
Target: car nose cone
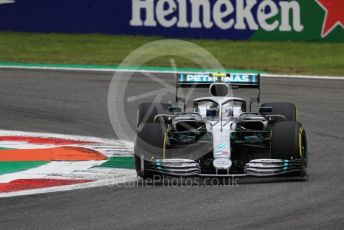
222,163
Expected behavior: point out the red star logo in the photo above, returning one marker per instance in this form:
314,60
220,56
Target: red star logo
334,15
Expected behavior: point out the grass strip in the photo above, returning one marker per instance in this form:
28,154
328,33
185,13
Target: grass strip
97,49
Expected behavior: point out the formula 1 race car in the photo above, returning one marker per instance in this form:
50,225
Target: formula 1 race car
220,137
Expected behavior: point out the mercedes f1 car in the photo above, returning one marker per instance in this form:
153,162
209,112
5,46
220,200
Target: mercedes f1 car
220,136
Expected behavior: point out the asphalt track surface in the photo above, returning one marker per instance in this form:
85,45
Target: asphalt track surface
76,103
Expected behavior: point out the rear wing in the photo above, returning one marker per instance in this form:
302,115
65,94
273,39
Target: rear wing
234,80
205,80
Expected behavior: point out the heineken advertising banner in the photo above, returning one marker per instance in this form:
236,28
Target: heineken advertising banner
297,20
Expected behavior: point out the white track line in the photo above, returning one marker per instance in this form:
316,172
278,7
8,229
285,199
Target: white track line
54,169
107,70
66,136
302,77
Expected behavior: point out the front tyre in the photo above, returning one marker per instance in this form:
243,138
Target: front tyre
148,145
147,112
289,142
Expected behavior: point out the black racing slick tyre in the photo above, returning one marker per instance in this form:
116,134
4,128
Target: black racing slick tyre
147,111
288,110
289,142
148,145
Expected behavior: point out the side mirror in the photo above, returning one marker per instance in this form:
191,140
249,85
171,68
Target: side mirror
174,109
265,110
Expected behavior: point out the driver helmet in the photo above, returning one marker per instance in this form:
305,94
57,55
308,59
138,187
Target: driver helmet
212,109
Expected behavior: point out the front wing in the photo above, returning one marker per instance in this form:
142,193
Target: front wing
254,168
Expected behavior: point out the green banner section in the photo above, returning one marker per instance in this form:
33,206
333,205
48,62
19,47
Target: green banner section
320,20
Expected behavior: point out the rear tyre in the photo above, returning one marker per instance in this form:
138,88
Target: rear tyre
289,142
147,111
288,110
149,143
